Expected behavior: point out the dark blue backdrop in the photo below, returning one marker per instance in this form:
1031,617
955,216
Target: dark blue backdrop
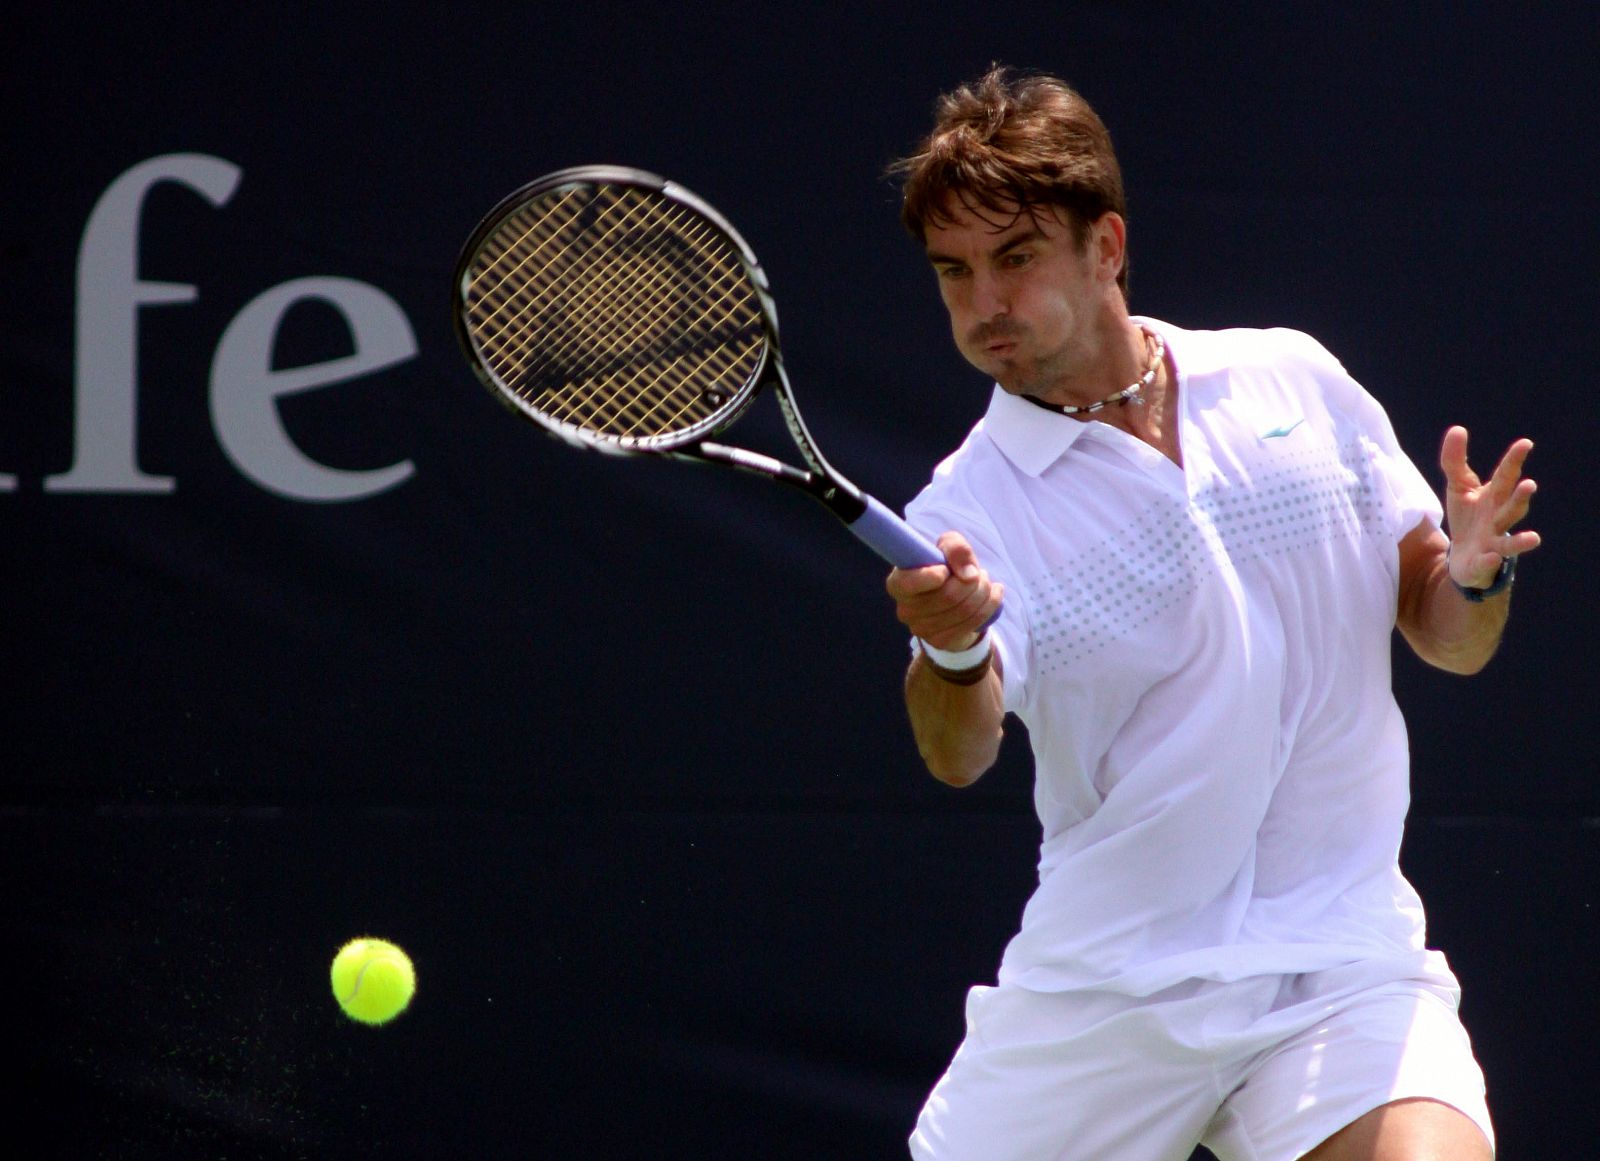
616,749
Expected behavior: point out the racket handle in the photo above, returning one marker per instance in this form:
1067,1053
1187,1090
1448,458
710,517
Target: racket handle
892,538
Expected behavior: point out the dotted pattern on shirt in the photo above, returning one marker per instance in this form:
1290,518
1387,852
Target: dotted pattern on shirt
1316,495
1118,585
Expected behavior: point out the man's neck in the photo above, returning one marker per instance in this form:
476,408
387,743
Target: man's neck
1151,416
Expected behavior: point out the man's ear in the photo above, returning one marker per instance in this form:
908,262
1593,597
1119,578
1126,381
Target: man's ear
1108,245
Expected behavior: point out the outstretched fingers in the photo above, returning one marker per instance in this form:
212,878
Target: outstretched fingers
1458,474
1483,514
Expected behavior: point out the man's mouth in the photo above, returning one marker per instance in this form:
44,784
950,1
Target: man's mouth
995,340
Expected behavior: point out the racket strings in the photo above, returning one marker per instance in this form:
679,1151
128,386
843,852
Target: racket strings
609,270
629,280
622,315
624,409
612,275
681,382
643,293
549,238
650,397
510,240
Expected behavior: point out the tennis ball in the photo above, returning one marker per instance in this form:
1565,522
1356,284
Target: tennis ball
373,980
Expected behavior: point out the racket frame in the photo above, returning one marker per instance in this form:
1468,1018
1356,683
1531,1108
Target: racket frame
869,519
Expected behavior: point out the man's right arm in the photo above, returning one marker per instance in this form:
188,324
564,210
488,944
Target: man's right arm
956,715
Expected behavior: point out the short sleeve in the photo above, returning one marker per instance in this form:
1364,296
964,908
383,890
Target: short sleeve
1412,498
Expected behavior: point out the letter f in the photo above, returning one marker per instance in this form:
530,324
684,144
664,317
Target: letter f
105,455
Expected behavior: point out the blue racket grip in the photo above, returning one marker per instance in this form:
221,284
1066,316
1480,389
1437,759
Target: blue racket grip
892,538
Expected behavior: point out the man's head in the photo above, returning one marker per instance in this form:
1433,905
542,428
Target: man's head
1007,143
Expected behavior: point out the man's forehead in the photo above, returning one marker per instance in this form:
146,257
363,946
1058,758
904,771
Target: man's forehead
995,222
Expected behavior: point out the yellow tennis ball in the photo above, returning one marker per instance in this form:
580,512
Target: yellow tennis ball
373,980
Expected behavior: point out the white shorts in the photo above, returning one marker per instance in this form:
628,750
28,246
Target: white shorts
1261,1069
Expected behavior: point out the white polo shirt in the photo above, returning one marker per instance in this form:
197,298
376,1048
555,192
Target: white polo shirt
1202,659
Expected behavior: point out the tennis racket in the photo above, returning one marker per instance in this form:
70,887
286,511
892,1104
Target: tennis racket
622,313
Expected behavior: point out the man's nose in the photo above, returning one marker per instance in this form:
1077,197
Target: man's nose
988,297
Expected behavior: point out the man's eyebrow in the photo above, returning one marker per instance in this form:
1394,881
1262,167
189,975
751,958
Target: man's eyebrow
1029,235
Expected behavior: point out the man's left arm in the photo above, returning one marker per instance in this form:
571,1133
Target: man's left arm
1440,577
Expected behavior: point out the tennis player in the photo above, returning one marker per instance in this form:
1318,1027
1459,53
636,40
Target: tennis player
1178,557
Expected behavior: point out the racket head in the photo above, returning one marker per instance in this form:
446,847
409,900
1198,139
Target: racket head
616,310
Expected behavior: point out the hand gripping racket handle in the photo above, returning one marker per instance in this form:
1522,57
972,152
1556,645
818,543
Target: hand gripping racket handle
892,538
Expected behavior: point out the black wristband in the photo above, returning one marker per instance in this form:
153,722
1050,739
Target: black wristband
1502,581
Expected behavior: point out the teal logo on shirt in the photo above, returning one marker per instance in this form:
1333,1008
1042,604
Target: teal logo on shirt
1280,432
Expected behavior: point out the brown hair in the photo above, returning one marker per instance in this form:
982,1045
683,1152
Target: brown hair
1005,144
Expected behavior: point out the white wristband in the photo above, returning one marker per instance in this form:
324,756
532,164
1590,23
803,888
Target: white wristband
957,660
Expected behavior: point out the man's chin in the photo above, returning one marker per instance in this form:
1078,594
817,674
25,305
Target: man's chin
1005,373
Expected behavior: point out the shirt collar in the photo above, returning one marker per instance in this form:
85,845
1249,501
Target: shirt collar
1033,438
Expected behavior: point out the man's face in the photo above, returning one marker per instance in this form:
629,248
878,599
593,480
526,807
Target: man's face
1021,295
